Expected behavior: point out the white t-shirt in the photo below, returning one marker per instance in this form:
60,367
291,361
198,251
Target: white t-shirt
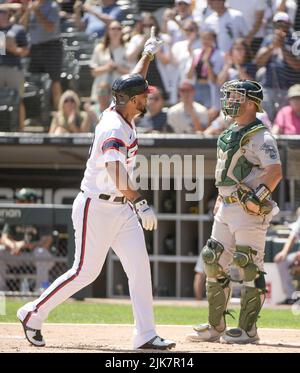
296,228
248,9
230,26
181,122
115,140
182,59
101,57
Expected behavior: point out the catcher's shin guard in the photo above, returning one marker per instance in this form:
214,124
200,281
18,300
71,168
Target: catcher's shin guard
252,300
218,294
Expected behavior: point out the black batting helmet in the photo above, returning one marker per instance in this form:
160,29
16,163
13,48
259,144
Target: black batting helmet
128,86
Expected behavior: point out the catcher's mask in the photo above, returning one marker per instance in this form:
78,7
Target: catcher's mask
235,92
128,86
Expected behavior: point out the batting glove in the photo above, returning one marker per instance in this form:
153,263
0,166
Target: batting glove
153,44
146,214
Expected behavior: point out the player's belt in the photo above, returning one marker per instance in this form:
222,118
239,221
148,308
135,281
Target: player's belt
229,199
107,197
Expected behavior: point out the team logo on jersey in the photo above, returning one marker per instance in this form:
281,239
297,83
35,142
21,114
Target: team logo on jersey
270,149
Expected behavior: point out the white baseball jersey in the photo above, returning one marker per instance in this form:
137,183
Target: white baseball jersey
115,140
100,225
230,26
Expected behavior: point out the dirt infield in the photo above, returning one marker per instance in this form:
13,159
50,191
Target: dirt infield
117,338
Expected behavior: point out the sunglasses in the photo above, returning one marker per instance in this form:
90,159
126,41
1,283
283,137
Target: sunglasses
69,100
190,30
116,28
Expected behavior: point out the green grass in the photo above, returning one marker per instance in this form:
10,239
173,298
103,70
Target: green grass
90,313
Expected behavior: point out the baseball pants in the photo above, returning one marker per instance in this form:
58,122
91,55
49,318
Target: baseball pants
233,226
98,226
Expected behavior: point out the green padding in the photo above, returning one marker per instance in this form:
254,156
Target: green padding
218,294
211,254
250,307
243,259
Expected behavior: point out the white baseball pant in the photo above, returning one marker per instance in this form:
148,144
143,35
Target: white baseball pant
98,226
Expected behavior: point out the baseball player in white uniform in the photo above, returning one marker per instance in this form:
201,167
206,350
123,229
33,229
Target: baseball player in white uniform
103,218
248,169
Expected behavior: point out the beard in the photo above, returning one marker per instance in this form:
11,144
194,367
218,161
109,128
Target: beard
142,110
142,113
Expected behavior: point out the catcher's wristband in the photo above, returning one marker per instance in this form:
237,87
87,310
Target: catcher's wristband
150,55
262,192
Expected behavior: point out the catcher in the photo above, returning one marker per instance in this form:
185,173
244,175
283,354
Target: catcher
248,169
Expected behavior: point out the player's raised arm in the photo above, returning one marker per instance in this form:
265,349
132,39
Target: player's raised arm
151,47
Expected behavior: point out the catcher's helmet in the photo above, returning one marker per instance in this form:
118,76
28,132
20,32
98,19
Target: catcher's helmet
26,195
231,103
128,86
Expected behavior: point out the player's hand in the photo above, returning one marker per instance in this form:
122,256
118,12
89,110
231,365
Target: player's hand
153,44
280,257
146,214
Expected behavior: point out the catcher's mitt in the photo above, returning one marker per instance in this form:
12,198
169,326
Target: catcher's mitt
248,197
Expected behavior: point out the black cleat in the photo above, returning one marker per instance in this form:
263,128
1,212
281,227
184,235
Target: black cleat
33,336
158,343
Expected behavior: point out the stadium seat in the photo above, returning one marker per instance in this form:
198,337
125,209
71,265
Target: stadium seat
9,110
37,98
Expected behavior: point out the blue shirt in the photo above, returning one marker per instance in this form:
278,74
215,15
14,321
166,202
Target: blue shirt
279,74
95,25
18,33
38,34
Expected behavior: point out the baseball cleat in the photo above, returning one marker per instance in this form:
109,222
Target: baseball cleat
239,336
158,343
204,333
33,336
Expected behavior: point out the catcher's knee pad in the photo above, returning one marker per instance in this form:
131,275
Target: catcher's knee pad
243,258
252,299
211,254
218,294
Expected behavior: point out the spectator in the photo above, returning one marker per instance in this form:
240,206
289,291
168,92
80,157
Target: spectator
183,50
155,120
109,59
228,24
288,6
11,74
287,121
21,239
132,25
207,64
285,261
69,118
161,71
97,18
66,13
202,10
238,63
103,102
174,19
41,19
281,68
253,12
187,116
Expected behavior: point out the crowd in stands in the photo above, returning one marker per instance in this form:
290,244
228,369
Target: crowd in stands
85,46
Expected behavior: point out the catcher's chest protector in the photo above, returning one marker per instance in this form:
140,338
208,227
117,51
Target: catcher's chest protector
232,166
